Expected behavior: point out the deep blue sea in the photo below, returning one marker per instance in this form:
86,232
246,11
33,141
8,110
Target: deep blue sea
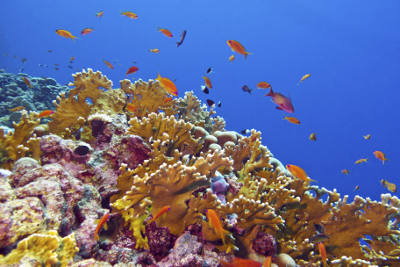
351,48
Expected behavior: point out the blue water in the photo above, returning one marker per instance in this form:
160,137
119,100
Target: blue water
350,48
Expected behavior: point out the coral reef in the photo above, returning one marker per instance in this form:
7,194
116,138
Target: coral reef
156,166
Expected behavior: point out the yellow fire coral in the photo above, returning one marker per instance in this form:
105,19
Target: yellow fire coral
45,249
72,111
15,145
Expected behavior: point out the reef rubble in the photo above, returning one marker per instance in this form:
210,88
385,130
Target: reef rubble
147,181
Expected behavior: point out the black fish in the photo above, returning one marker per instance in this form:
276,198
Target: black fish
319,228
210,102
49,51
24,59
319,238
205,89
219,104
245,131
209,70
182,38
245,88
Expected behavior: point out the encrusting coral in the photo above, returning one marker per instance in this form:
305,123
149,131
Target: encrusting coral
155,166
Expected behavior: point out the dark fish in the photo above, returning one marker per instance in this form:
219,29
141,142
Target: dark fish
182,38
319,238
205,89
49,51
69,66
210,102
245,131
24,59
56,68
245,88
219,104
209,70
319,228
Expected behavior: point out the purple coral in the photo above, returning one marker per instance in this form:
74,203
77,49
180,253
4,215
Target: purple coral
160,240
219,187
264,244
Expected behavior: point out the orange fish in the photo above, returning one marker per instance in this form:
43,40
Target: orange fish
100,14
361,161
65,34
27,82
108,64
313,137
283,103
168,85
131,107
207,81
86,31
71,58
379,155
367,137
160,212
131,70
304,77
165,32
16,108
322,252
299,173
292,120
267,262
154,50
129,14
237,47
239,262
102,221
45,113
345,171
215,222
232,58
263,85
389,186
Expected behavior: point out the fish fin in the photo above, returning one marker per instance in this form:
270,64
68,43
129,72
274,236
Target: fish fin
247,53
279,108
271,93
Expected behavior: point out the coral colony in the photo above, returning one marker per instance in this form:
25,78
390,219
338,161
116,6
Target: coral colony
164,184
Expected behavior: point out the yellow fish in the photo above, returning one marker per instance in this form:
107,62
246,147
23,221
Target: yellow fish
389,186
361,161
304,77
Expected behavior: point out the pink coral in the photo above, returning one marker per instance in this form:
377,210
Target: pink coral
264,244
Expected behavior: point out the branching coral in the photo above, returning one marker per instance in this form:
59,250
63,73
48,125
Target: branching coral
45,249
72,111
17,144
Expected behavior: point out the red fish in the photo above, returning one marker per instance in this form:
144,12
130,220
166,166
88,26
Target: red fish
131,70
238,48
207,81
86,31
27,82
283,103
102,221
322,252
108,64
160,212
45,113
239,262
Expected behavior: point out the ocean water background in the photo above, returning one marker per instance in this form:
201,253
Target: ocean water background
350,48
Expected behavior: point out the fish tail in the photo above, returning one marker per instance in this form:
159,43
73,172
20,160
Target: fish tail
271,93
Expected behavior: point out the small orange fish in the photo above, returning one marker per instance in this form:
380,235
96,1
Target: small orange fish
232,58
160,212
131,107
239,262
129,14
71,58
215,222
165,32
292,120
367,137
154,50
102,221
380,155
313,137
27,82
238,48
19,108
322,252
100,14
299,173
304,77
86,31
207,81
108,64
263,85
356,188
267,262
45,113
361,160
65,34
131,70
389,186
345,171
168,85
